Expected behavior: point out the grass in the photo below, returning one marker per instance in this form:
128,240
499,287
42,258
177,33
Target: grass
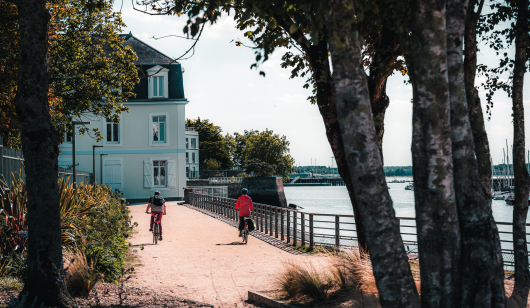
347,280
315,249
303,279
80,277
10,284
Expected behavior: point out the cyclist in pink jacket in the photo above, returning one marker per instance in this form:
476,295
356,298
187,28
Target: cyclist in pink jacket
244,204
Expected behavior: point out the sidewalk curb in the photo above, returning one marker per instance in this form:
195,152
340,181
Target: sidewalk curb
263,300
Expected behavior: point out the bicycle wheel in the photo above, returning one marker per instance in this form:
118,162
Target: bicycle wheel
155,234
245,235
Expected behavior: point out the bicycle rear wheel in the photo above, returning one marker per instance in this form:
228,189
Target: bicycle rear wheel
155,234
245,235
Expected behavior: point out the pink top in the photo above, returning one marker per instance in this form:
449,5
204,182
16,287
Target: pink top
244,204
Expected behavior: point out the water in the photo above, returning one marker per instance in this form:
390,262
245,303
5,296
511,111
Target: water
335,200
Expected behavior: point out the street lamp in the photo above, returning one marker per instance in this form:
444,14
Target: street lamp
74,123
94,161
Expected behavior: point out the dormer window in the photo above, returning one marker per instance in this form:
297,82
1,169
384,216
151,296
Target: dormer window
158,86
158,82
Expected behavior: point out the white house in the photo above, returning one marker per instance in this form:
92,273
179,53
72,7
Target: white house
192,153
146,151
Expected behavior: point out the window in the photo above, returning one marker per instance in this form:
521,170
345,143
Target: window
186,143
187,160
67,135
193,143
187,172
158,86
159,173
159,129
158,82
193,157
113,134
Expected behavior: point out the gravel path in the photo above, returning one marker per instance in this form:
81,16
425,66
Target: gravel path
201,258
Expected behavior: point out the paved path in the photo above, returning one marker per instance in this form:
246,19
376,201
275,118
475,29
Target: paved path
201,257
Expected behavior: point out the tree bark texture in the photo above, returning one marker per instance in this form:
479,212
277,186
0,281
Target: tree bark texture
44,261
521,177
318,57
390,263
386,53
482,274
476,118
319,61
436,213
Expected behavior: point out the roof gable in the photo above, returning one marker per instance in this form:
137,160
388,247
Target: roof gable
146,54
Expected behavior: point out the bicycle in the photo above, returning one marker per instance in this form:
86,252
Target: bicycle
245,231
156,230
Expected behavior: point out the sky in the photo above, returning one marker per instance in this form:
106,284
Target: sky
221,87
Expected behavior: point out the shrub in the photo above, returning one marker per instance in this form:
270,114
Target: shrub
92,218
80,278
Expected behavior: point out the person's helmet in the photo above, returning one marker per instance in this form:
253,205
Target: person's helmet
244,191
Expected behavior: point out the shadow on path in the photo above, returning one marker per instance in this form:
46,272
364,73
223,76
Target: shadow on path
256,234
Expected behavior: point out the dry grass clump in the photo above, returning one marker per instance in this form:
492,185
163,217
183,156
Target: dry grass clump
353,269
303,280
79,276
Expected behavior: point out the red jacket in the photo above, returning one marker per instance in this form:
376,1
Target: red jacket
244,204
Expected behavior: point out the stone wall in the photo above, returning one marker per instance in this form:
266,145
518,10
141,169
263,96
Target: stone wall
266,190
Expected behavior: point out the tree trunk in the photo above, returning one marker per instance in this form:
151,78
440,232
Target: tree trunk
318,57
319,61
436,213
390,265
482,275
386,52
521,177
476,118
40,148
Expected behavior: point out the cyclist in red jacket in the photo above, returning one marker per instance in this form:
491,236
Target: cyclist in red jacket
244,204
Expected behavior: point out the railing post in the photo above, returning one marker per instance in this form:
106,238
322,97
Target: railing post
270,220
276,222
337,240
281,224
295,222
302,228
311,230
267,214
288,226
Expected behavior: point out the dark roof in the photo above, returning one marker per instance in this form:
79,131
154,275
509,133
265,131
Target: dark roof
146,54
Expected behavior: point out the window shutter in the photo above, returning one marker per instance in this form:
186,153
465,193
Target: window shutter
148,173
171,176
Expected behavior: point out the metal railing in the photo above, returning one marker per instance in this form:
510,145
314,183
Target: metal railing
216,191
314,229
81,176
11,162
225,180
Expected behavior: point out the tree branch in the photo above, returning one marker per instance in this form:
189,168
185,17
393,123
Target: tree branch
285,21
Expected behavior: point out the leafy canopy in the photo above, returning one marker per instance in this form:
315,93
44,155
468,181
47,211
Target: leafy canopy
91,71
211,145
263,153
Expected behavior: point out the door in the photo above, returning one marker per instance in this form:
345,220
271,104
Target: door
112,175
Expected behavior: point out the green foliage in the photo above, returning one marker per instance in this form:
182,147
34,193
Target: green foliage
211,144
91,71
211,164
93,221
10,284
262,153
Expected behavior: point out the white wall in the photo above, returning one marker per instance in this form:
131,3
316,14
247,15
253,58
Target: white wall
135,147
